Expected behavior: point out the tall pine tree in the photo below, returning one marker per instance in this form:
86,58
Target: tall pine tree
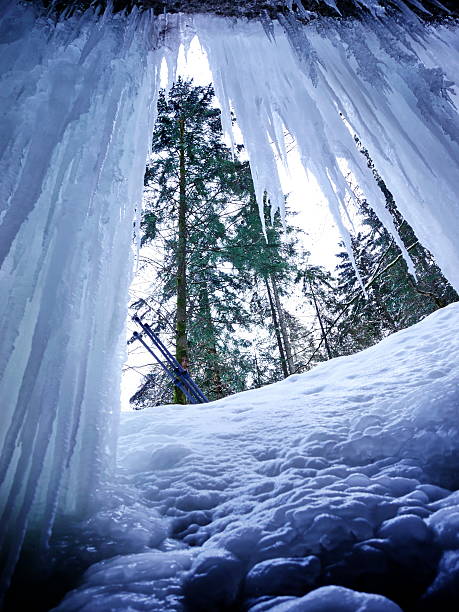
203,221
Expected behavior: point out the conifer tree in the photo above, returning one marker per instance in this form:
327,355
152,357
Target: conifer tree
201,216
392,299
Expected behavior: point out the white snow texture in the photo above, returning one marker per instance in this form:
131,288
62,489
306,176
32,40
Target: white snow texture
77,107
339,475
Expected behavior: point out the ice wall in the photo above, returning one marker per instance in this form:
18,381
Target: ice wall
77,103
390,77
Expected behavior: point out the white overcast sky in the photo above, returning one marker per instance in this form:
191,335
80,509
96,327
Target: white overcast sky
321,236
304,196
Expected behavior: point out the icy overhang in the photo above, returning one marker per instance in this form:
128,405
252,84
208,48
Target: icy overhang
305,9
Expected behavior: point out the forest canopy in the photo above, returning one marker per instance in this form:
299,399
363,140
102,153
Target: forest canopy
236,294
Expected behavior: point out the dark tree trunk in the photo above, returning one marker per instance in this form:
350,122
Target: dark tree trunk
181,340
215,378
322,327
277,330
282,326
382,308
258,372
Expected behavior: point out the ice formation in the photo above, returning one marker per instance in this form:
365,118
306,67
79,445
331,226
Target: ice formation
305,9
77,109
384,76
341,476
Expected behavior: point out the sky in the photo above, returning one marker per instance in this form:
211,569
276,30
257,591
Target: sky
320,234
304,195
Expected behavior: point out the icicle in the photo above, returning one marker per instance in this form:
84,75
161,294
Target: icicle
441,6
267,24
384,76
225,117
74,148
415,3
334,202
332,4
138,236
234,88
170,39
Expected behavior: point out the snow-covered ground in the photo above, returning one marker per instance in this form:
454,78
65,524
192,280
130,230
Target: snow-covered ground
262,501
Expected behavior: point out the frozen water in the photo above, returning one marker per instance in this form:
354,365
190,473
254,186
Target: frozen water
392,81
78,100
270,8
330,598
341,476
77,109
285,575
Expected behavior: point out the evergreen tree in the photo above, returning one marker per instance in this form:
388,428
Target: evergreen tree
392,299
349,318
319,287
269,262
220,281
202,218
190,180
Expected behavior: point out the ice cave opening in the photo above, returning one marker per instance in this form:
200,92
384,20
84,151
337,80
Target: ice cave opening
273,509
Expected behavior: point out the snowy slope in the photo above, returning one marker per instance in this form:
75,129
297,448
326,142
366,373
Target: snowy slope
341,476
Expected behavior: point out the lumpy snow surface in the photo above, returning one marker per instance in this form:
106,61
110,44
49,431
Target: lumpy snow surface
331,490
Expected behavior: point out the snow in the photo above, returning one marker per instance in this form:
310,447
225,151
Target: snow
287,575
333,598
341,476
78,98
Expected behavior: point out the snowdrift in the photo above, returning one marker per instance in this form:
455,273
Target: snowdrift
331,490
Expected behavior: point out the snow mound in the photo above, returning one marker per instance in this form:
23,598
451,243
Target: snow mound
333,598
298,495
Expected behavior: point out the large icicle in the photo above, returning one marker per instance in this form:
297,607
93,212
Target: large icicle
78,99
385,75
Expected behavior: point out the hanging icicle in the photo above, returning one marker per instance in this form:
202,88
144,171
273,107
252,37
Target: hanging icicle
78,109
382,74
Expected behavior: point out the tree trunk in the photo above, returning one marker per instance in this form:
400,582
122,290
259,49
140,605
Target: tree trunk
421,260
438,301
181,340
277,330
257,370
382,308
283,326
215,378
322,327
